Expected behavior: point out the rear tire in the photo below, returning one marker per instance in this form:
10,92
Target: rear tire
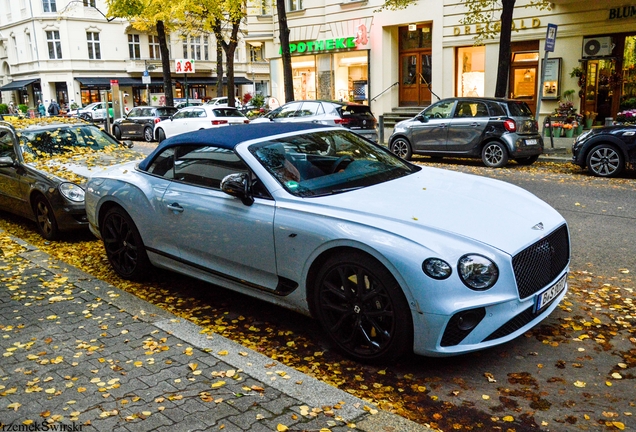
402,148
124,248
148,135
494,155
117,132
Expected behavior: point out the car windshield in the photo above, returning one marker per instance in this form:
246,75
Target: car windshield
66,139
328,162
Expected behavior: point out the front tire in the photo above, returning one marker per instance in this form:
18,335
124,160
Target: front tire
161,135
402,148
362,308
494,155
605,161
45,218
124,248
148,135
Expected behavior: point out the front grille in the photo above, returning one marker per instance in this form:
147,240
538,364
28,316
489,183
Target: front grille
539,264
513,325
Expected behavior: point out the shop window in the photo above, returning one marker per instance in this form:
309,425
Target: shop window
628,99
134,46
471,71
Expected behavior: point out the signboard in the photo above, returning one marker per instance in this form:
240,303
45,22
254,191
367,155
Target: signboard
145,78
550,37
551,78
184,66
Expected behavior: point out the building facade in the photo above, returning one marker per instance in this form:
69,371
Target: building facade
67,50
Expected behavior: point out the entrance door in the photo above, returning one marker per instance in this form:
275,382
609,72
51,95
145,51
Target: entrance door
415,78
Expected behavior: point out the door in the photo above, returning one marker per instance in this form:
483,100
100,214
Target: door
12,183
128,125
431,132
415,78
467,126
524,84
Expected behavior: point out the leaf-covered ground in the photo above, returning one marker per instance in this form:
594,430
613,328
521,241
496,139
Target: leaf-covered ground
574,372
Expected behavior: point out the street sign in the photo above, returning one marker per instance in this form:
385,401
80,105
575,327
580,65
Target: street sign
550,37
184,66
145,79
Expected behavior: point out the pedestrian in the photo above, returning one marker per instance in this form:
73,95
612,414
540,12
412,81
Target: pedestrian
12,109
54,108
41,109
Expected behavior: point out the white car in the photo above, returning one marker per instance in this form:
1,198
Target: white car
222,102
95,111
198,117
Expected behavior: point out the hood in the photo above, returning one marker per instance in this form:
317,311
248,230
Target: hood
485,210
78,167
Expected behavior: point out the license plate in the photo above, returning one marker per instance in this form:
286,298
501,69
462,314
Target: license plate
551,293
531,142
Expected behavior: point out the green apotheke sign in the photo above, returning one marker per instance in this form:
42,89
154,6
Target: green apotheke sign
322,45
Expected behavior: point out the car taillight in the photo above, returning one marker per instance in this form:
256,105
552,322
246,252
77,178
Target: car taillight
510,125
246,121
218,122
342,121
157,120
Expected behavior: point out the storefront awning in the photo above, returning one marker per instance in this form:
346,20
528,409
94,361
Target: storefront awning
18,84
92,82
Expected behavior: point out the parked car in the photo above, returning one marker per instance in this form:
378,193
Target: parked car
495,130
357,118
201,117
95,112
222,102
350,237
140,122
44,164
605,151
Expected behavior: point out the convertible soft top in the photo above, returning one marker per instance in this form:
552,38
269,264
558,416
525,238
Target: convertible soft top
228,137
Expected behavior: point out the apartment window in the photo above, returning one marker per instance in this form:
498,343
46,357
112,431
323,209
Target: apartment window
49,6
94,52
29,46
15,47
206,44
294,5
134,47
89,3
198,49
195,47
54,44
256,53
153,47
266,7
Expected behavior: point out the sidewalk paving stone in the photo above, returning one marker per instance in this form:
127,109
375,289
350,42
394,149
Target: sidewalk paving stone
79,353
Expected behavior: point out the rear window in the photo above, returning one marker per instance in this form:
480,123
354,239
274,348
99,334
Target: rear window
227,112
165,111
355,110
519,109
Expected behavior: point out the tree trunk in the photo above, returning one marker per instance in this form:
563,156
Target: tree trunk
219,59
503,72
165,64
229,60
286,54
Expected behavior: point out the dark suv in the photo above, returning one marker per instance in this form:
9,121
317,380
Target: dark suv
494,130
140,122
355,117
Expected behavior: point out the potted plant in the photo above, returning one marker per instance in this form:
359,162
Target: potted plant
590,116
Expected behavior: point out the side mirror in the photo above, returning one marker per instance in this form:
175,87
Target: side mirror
128,143
422,118
238,185
6,161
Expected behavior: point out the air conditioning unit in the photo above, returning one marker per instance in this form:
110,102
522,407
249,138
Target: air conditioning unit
597,47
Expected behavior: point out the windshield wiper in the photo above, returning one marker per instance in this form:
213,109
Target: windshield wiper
336,191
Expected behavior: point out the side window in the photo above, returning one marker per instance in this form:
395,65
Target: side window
465,109
289,110
163,164
6,144
181,115
206,165
440,110
309,109
497,110
134,112
481,110
199,113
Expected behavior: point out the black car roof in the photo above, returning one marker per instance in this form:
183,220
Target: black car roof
228,137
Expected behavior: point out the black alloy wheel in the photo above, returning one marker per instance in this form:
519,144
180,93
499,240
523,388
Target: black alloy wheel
362,308
605,161
148,134
494,155
124,248
117,132
402,148
45,218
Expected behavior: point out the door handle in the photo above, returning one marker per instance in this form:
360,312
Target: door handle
175,207
474,124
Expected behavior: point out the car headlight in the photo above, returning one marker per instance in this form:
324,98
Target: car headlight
436,268
72,192
477,272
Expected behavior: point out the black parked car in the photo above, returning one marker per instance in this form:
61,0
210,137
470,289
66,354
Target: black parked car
605,151
494,130
44,164
140,122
